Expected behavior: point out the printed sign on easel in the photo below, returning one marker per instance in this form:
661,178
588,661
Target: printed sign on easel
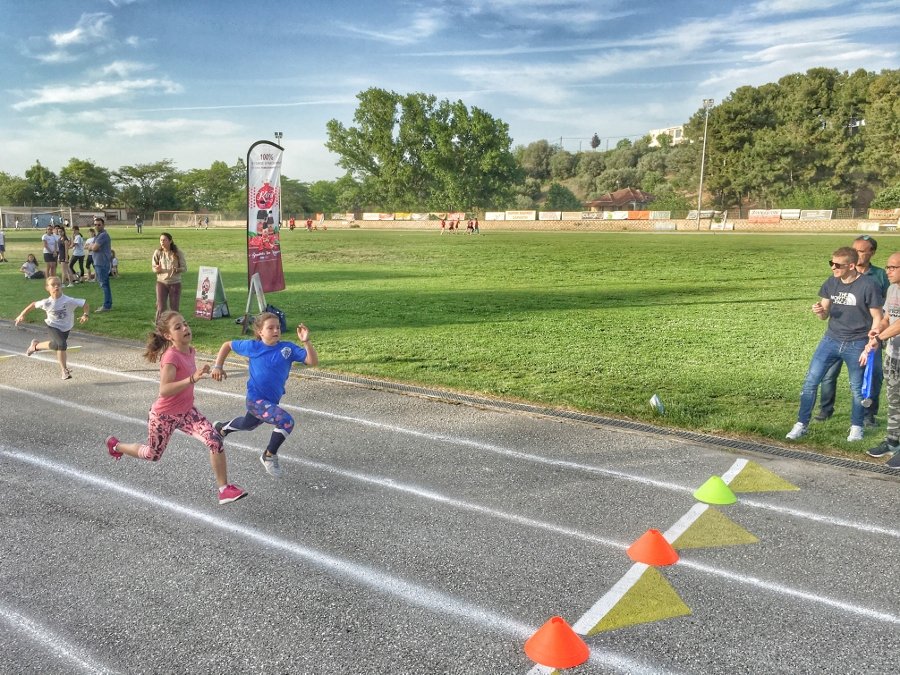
210,302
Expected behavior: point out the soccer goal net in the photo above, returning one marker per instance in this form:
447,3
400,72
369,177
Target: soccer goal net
185,219
37,216
174,219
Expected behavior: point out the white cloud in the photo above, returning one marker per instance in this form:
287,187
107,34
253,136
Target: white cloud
423,25
98,92
768,7
139,127
90,29
124,68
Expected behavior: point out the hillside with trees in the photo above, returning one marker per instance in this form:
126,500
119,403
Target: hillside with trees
820,139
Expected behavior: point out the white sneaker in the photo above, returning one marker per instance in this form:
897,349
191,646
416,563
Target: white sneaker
856,433
798,431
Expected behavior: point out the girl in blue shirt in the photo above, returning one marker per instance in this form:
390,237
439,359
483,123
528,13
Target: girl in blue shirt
270,364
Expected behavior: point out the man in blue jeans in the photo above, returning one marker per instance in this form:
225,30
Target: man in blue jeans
865,247
851,302
101,252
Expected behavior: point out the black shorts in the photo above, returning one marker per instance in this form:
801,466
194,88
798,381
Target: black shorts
49,257
59,339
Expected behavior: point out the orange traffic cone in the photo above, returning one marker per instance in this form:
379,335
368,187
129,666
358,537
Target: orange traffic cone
652,549
556,645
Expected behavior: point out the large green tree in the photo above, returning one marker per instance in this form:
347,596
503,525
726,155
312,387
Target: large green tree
14,191
43,186
412,152
148,187
82,183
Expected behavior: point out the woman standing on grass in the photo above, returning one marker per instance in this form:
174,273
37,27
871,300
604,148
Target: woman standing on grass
170,344
169,264
77,254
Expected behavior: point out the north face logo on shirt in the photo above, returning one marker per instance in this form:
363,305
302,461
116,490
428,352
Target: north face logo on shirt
844,299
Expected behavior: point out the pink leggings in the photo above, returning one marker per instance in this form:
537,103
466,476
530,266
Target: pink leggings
161,426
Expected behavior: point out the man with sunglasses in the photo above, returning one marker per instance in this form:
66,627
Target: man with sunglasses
851,302
865,247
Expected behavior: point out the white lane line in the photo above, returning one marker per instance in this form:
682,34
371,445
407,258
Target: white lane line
735,469
601,608
795,593
688,519
523,521
74,656
420,596
515,454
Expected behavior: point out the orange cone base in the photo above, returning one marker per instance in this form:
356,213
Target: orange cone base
556,645
653,549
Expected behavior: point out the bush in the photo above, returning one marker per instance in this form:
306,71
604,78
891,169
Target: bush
889,198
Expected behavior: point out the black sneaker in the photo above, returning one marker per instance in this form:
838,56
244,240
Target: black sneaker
886,447
822,416
894,462
220,428
869,422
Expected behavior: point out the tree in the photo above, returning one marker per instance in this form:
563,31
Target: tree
562,165
43,185
888,198
323,196
294,197
535,159
13,190
85,184
411,152
561,198
148,187
595,142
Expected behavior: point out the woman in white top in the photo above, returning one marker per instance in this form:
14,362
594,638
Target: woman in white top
49,241
168,262
89,263
77,254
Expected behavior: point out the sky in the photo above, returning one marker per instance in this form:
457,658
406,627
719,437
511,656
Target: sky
124,82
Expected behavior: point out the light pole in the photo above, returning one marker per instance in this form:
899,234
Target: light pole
278,137
707,104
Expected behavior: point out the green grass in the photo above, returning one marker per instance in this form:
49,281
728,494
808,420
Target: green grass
718,325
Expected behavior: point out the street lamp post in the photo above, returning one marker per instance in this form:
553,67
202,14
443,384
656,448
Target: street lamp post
707,104
278,137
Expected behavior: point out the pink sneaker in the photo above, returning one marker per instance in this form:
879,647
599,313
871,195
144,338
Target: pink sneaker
111,444
231,493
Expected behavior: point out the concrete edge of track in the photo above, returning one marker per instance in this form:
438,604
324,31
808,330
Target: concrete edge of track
721,442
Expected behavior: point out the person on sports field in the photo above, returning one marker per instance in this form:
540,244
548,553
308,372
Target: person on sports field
101,250
865,247
170,344
886,334
851,302
60,321
270,364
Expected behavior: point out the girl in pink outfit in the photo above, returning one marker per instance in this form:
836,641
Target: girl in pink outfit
170,344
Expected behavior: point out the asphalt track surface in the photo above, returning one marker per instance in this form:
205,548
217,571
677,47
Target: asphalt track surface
407,535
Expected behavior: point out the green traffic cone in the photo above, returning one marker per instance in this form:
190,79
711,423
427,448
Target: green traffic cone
715,491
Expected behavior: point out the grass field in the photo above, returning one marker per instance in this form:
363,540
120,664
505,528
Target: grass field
718,325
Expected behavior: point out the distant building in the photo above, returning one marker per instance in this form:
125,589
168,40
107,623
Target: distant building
676,133
626,199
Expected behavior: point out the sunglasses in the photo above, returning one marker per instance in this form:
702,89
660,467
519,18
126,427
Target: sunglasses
840,266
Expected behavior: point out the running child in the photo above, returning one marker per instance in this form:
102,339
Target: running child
60,321
270,365
170,344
